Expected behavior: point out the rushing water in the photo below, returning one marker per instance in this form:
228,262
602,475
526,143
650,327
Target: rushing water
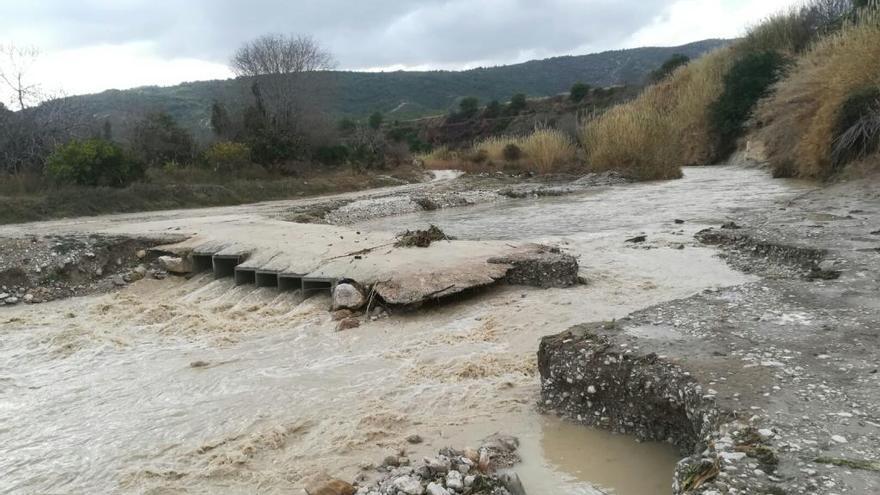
203,387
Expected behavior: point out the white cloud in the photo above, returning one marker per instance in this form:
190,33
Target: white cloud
96,68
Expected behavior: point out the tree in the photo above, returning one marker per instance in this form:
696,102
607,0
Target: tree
493,110
668,67
15,63
376,120
221,124
157,139
280,54
579,91
468,107
517,104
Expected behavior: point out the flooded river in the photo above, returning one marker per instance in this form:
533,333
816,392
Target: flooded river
199,386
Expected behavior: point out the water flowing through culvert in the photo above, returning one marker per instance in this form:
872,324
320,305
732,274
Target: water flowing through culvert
203,387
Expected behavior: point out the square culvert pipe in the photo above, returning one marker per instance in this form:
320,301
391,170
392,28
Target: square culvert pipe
310,285
290,282
224,266
202,263
245,276
267,279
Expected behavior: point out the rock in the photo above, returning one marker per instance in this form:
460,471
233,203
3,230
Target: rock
176,265
513,484
454,481
11,300
28,298
435,489
342,314
637,239
679,221
347,296
332,487
133,276
141,254
4,295
414,439
730,226
391,461
408,485
348,324
839,439
141,270
439,464
118,281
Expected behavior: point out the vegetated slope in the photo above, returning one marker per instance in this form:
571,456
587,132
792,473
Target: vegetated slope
404,94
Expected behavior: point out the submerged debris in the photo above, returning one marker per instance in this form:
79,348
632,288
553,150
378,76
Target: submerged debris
421,238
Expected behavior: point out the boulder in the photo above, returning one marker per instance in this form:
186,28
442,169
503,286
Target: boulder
173,264
348,324
348,296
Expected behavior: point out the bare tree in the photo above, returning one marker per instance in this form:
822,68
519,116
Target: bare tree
15,62
275,54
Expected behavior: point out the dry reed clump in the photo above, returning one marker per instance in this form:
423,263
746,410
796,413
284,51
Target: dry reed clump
548,149
664,128
800,119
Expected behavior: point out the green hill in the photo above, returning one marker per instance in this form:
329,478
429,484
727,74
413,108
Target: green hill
402,94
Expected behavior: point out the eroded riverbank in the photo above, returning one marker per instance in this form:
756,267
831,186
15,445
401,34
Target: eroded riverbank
278,398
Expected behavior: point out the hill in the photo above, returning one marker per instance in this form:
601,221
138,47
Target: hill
404,94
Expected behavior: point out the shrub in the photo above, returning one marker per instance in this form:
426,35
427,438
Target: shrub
512,153
579,91
494,146
857,130
227,156
332,155
517,104
748,80
802,120
93,162
675,61
375,121
347,126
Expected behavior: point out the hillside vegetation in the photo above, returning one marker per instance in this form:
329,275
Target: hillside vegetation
812,72
402,94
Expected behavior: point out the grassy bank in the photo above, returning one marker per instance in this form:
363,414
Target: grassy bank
804,82
24,199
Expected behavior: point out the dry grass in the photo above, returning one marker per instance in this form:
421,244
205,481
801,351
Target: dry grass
800,118
543,151
546,150
664,128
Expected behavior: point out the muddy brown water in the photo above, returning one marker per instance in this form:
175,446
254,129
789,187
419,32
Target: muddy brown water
100,394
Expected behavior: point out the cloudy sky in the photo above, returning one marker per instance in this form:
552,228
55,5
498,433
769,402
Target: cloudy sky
92,45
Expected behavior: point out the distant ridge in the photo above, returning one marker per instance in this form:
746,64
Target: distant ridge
407,94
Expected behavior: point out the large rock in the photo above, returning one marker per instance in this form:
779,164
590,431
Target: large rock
173,264
348,296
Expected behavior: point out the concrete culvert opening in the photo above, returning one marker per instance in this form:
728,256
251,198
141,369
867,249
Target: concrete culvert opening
290,282
202,263
245,276
266,279
311,285
224,266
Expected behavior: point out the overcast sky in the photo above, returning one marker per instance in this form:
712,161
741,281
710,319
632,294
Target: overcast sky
92,45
